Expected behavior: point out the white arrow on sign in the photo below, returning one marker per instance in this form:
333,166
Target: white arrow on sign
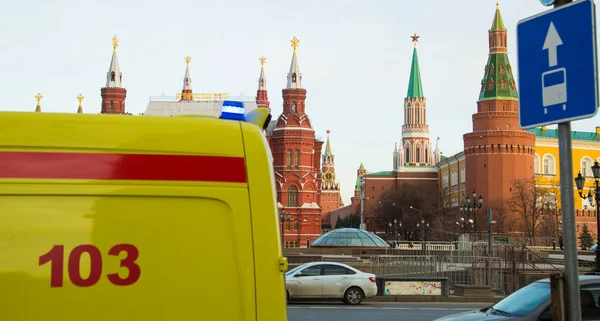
552,41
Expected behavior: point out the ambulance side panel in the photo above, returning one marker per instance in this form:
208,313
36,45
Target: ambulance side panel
121,250
270,286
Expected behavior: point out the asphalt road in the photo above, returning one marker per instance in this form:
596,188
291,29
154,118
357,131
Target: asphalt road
332,311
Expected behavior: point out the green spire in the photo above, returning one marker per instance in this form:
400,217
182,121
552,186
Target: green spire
498,24
360,168
415,88
328,145
498,80
357,186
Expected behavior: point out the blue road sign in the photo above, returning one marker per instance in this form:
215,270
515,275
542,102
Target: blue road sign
556,55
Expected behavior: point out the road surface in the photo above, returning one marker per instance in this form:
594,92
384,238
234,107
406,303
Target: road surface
371,311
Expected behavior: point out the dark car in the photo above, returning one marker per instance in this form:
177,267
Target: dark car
532,302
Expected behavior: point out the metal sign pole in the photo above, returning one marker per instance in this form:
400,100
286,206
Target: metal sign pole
565,157
572,304
558,84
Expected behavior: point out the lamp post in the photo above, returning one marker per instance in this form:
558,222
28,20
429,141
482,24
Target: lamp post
283,218
469,206
593,194
423,224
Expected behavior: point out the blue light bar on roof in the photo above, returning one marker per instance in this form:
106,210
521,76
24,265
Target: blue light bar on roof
233,110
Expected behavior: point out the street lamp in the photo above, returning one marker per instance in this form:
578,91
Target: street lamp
593,194
471,207
282,219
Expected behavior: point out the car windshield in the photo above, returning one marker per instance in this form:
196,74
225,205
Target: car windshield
525,300
292,271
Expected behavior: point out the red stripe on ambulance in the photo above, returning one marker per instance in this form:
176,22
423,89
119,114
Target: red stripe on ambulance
51,165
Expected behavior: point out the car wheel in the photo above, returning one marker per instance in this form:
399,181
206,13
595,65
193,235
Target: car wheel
353,296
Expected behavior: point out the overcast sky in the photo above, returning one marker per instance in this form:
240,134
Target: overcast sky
354,56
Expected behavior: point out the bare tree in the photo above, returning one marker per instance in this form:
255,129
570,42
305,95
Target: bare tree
444,214
528,202
499,210
397,203
552,206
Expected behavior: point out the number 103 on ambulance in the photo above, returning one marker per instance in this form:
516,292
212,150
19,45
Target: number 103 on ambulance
56,258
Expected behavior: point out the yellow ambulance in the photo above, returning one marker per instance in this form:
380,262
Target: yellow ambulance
123,218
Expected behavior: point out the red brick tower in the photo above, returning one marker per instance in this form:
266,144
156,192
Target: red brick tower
186,91
296,161
330,187
262,99
113,94
498,151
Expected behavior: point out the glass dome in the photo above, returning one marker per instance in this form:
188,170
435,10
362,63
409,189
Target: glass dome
349,237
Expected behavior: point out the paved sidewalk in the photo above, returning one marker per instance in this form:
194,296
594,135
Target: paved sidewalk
434,298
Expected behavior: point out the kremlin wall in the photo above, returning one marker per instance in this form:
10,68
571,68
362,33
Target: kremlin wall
497,152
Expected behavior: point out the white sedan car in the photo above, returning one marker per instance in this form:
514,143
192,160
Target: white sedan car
329,280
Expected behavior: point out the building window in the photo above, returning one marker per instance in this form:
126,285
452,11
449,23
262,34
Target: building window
502,84
501,69
295,225
536,164
490,85
407,160
296,159
445,179
463,175
293,107
289,159
454,177
418,155
549,165
292,196
294,77
586,167
287,225
110,106
112,76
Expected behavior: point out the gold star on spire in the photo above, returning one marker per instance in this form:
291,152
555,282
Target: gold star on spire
415,39
115,43
187,60
262,60
295,42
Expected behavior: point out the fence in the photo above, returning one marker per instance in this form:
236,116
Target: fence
467,263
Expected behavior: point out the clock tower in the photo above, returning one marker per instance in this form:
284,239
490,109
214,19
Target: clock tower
330,187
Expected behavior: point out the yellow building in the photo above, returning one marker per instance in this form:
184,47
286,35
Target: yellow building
452,180
586,151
